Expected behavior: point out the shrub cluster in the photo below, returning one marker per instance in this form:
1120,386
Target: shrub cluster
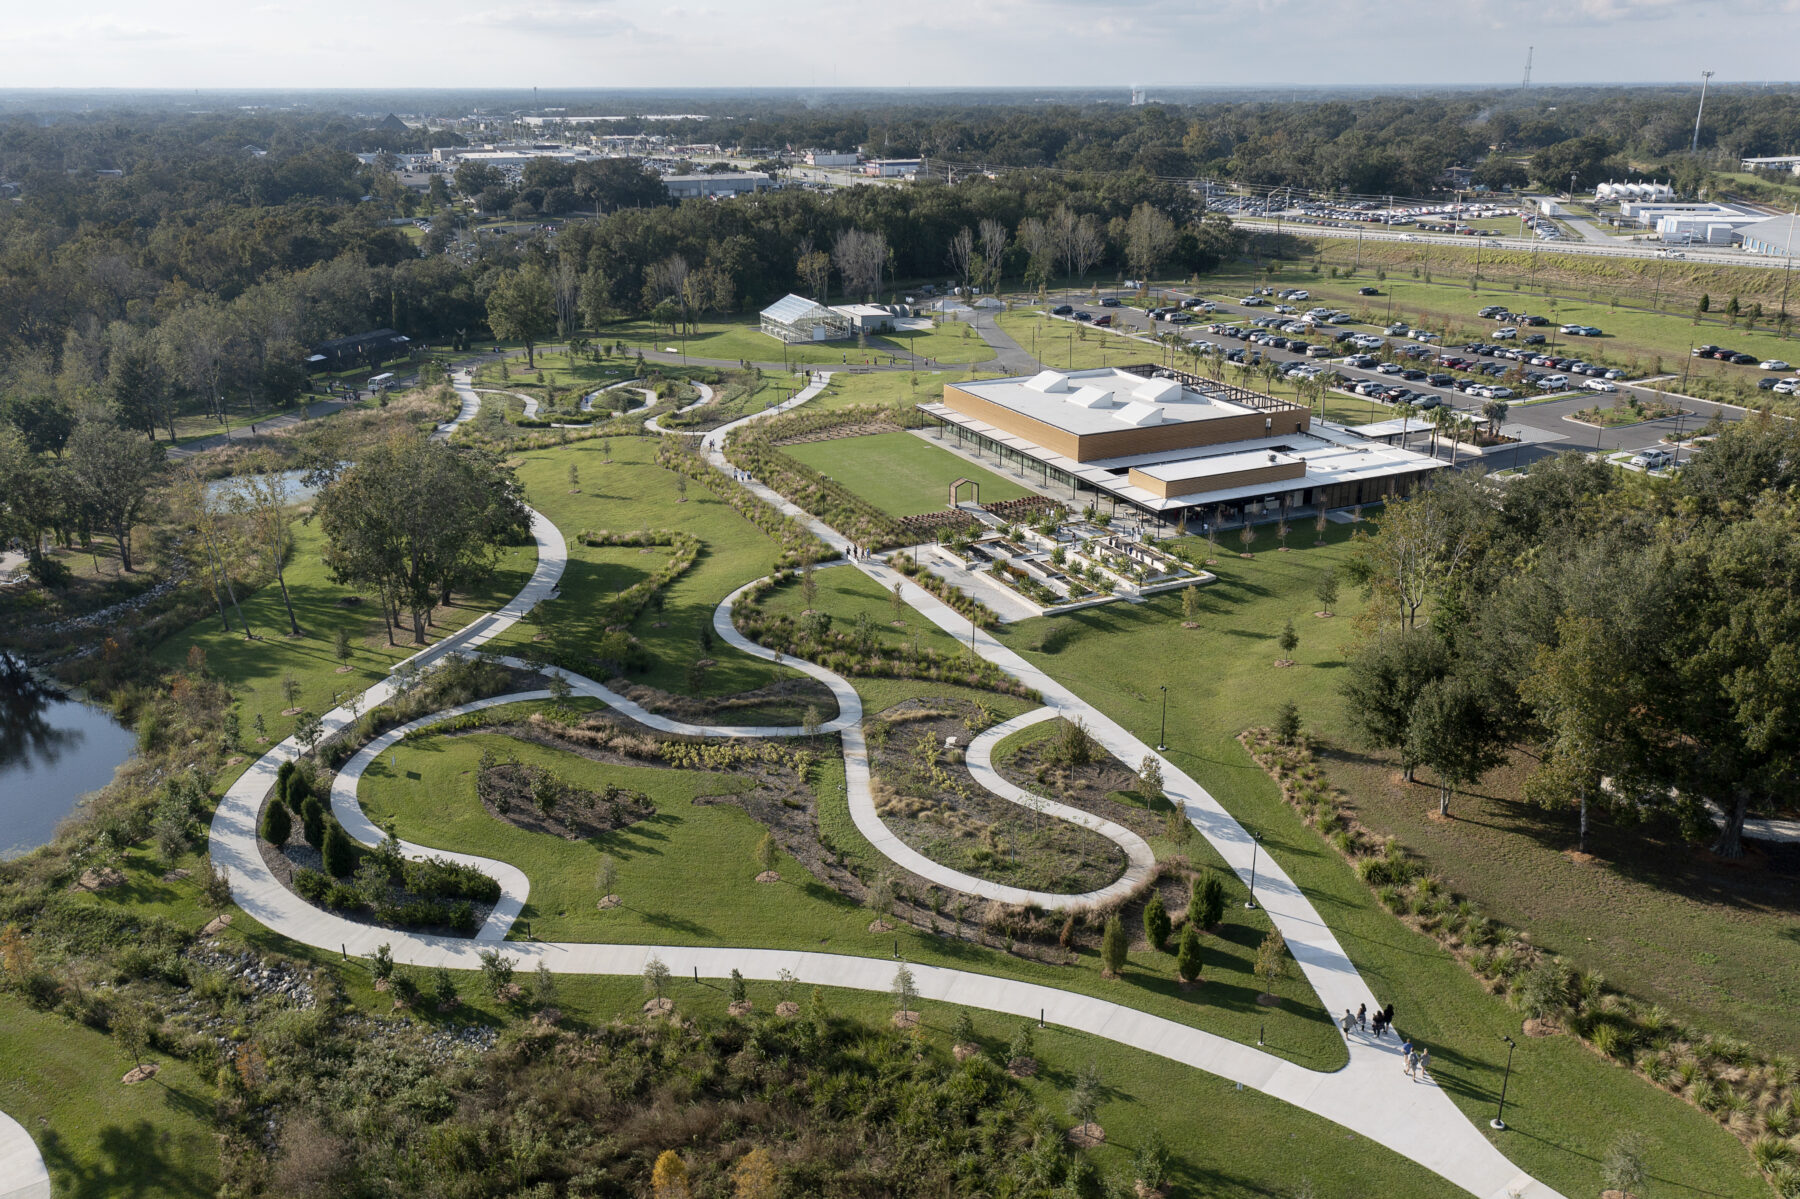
965,606
752,448
796,540
624,607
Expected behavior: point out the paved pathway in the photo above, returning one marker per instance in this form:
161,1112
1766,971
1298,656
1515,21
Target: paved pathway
530,401
1370,1095
471,403
654,424
23,1174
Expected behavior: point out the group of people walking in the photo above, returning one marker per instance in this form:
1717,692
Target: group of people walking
1416,1061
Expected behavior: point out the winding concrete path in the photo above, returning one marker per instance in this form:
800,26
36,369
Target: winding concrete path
23,1174
1370,1095
530,401
471,402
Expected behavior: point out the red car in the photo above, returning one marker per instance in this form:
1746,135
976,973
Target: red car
1104,319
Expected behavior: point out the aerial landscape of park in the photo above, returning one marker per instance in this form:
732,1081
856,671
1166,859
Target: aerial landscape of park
1001,641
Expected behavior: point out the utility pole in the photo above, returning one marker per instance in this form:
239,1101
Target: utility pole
1701,111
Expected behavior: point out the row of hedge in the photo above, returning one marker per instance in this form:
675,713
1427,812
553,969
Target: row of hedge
624,607
796,540
752,448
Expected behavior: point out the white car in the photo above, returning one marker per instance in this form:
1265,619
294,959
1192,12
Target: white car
1775,364
1505,333
1600,385
1499,393
1787,387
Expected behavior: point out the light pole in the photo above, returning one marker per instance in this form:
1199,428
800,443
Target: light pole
1699,112
1162,738
1498,1123
1255,844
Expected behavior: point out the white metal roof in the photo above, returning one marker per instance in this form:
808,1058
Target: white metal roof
790,308
1102,400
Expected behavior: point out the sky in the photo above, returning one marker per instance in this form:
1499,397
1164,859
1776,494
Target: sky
926,43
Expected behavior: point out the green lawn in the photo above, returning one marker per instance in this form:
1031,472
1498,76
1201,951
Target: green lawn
887,388
1566,1105
1060,344
560,370
899,473
948,342
99,1137
687,877
632,492
735,339
255,669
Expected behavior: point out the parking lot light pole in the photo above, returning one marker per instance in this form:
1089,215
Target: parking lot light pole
1498,1123
1255,844
1162,738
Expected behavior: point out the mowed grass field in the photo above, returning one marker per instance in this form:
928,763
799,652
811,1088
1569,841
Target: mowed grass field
740,338
886,388
901,474
1567,1106
1060,344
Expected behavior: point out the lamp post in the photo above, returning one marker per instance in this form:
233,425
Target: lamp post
1498,1123
1255,844
1162,738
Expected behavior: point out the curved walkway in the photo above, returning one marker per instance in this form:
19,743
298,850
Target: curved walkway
530,401
1370,1095
23,1174
471,403
1139,857
654,424
588,400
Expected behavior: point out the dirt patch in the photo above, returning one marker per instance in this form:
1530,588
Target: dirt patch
1580,858
878,925
98,878
1539,1027
292,711
769,876
1087,1136
175,875
741,1008
1022,1067
963,1051
139,1074
1269,1000
607,901
532,798
787,1009
342,670
905,1020
658,1007
216,925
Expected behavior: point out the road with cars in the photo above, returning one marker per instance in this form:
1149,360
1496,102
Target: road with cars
1616,249
1547,418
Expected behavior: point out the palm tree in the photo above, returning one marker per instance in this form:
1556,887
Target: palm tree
1458,423
1436,420
1406,411
1495,411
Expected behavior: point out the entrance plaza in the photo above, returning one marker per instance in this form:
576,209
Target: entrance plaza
1167,443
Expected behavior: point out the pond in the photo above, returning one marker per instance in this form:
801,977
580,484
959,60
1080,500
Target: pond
297,491
54,749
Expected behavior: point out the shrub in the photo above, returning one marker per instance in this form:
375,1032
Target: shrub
1206,904
1187,957
1287,723
312,886
312,819
339,854
1157,924
1113,946
277,825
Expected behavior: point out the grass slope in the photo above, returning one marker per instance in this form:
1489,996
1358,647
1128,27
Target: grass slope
1567,1106
899,473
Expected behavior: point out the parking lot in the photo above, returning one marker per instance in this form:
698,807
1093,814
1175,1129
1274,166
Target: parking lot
1547,417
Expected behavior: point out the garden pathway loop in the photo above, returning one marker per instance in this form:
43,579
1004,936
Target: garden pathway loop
23,1174
1370,1095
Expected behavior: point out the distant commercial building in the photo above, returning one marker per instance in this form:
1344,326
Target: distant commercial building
1774,236
892,168
725,183
1607,193
1648,212
1782,162
511,154
832,158
372,347
795,319
870,318
1170,443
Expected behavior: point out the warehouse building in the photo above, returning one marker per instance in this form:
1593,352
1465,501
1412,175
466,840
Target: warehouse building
1171,444
1774,236
725,183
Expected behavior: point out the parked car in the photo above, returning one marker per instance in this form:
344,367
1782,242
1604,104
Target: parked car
1787,387
1425,403
1084,316
1744,359
1505,333
1534,339
1102,321
1500,393
1318,351
1775,364
1703,351
1652,459
1111,302
1368,291
1389,368
1252,301
1553,382
1062,310
1492,310
1600,385
1768,382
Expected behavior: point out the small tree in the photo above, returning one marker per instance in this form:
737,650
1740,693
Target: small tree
738,991
755,1177
443,988
308,728
1281,532
131,1028
963,1031
1176,827
1247,536
290,689
766,856
261,726
543,985
1287,723
1157,924
1187,954
340,647
1206,902
809,586
1271,962
1319,523
339,854
1289,641
904,989
669,1177
312,820
215,887
574,477
1150,780
1190,603
656,976
1021,1047
1327,591
897,603
277,825
1623,1168
1084,1097
1150,1162
496,971
606,875
382,964
1113,946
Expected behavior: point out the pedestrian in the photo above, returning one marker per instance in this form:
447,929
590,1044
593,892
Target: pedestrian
1349,1020
1387,1015
1420,1062
1362,1016
1406,1054
1380,1026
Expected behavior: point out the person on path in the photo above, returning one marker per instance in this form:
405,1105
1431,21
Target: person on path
1387,1015
1380,1026
1362,1016
1419,1063
1406,1054
1349,1022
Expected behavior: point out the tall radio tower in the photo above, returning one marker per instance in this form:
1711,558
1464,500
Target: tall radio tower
1529,51
1701,111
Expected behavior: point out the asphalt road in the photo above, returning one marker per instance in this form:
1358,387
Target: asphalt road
1547,417
1615,249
